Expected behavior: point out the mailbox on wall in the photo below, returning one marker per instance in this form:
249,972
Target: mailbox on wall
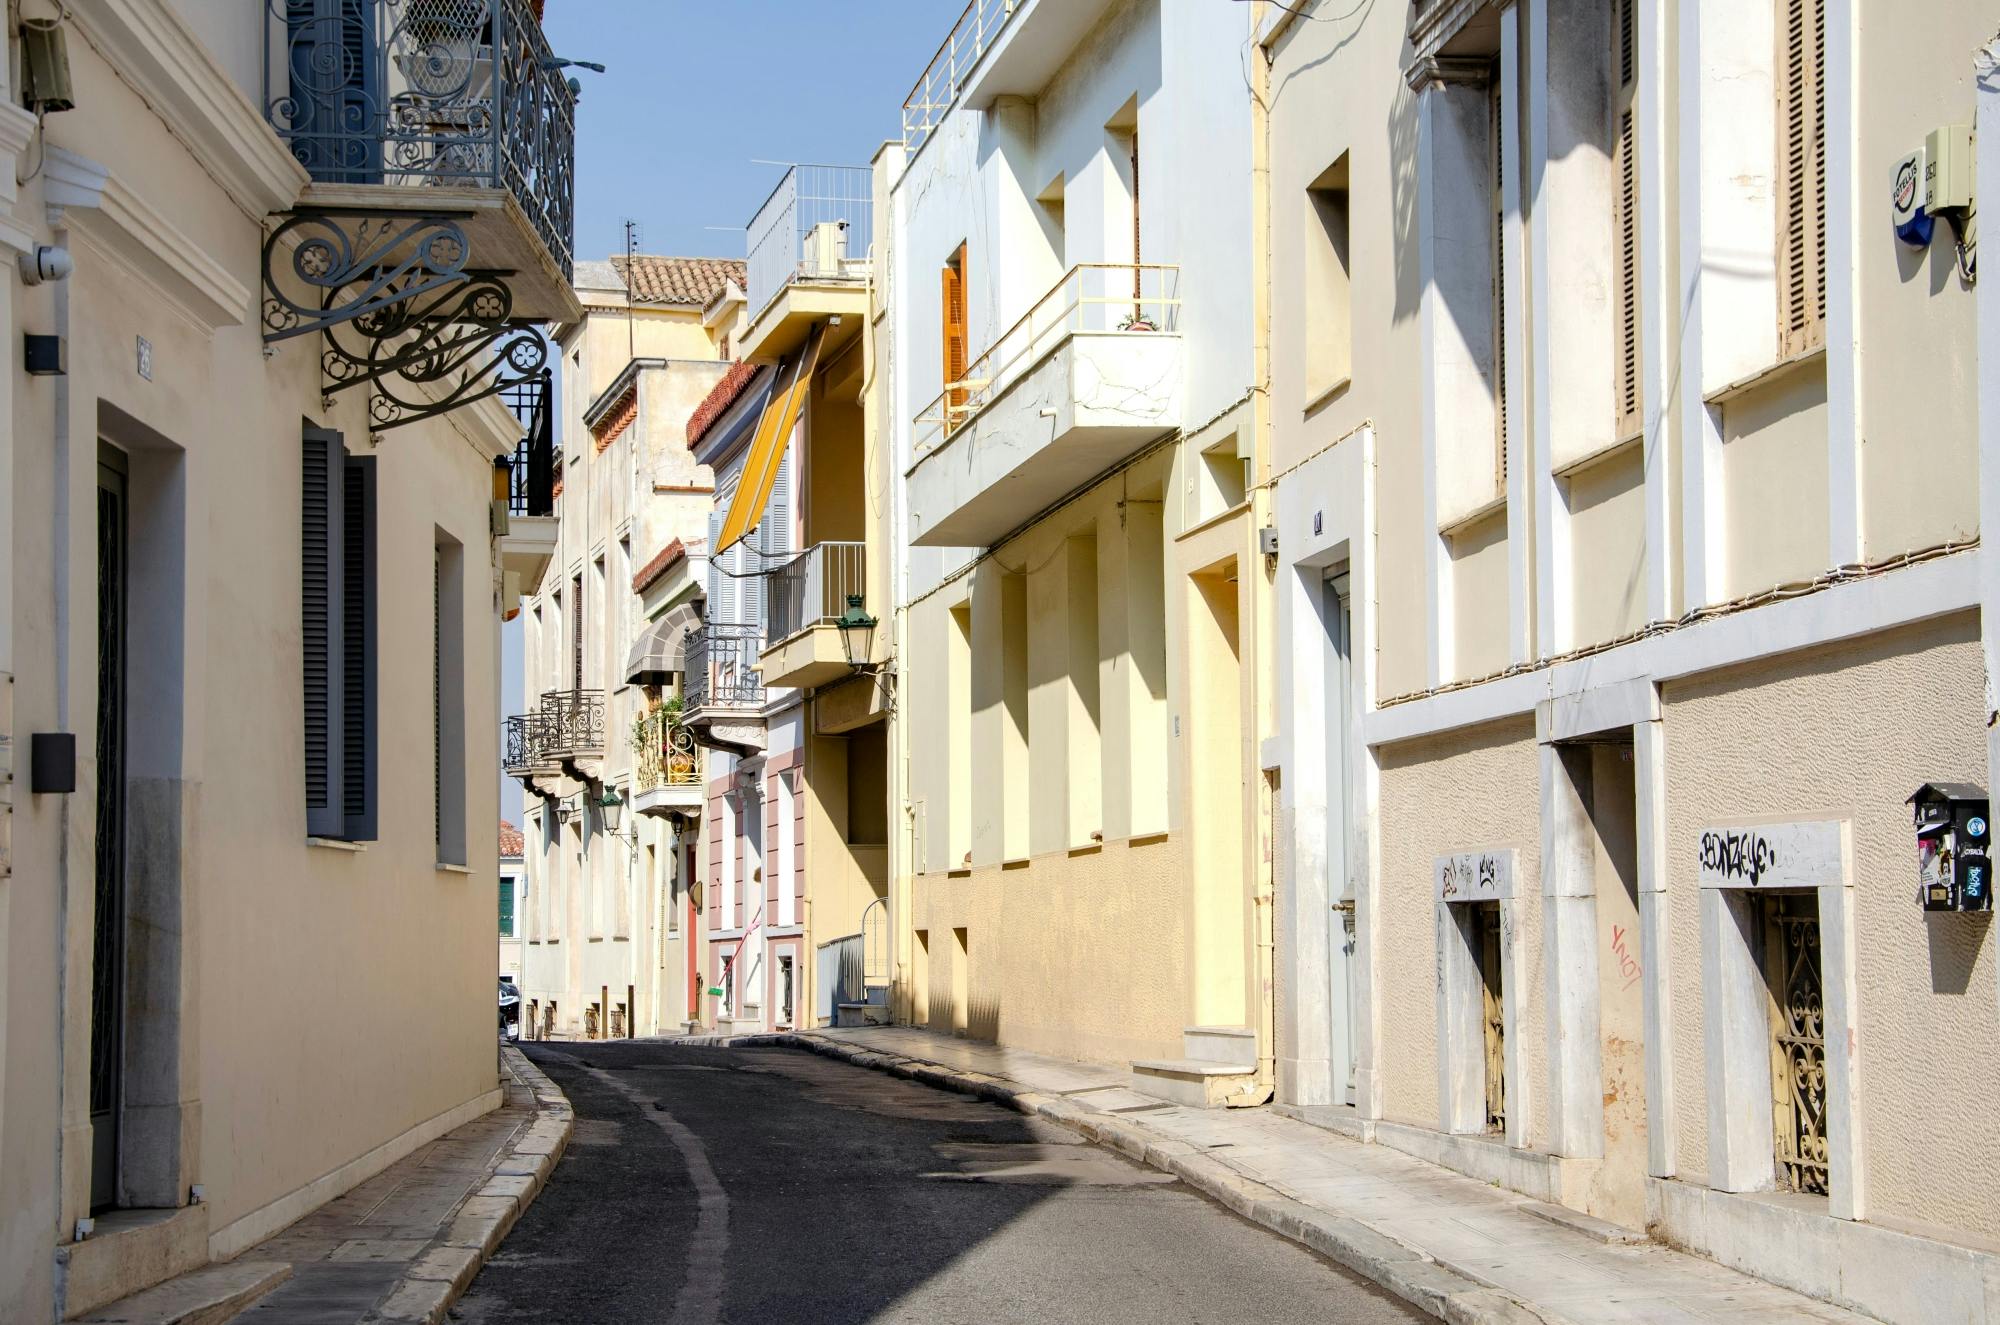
1953,867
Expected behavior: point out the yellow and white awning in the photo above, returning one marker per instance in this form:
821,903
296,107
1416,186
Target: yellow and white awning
767,449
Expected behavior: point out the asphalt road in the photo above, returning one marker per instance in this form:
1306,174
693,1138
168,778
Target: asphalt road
768,1186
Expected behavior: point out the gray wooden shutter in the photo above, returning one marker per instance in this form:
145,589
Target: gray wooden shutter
320,614
774,539
358,650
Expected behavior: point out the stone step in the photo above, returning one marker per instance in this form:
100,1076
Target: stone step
207,1296
1194,1082
861,1014
1221,1044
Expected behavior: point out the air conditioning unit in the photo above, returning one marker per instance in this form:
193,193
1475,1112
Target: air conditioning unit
826,248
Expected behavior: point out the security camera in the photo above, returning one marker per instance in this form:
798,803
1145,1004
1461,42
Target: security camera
46,263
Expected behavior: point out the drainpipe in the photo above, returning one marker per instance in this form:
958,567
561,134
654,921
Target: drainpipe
1264,1087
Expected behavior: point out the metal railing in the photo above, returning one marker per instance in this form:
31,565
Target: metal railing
976,30
523,742
813,588
722,670
572,724
816,225
1141,298
427,92
666,750
531,487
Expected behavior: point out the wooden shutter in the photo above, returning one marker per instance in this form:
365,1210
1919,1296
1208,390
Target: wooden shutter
576,633
1496,103
957,355
1625,221
1801,169
358,650
320,585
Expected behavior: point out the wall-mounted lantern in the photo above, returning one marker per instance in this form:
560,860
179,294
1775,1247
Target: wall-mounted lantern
857,633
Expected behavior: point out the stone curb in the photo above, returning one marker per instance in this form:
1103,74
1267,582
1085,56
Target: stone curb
440,1276
1394,1266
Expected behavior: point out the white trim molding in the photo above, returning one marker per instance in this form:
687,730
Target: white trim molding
82,194
153,49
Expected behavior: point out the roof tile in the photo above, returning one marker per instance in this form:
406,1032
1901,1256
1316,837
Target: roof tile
691,282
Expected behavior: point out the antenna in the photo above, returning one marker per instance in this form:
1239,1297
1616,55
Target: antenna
631,318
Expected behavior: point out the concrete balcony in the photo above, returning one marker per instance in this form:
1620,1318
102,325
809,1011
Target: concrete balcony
808,259
1093,374
997,48
806,598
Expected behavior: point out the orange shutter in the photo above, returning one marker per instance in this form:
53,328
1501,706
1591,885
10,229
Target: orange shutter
956,347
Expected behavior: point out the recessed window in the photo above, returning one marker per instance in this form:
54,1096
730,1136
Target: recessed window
1329,340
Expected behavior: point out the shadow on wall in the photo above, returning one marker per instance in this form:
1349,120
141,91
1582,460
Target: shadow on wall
1955,942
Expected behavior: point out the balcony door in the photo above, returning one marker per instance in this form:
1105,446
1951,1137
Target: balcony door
336,101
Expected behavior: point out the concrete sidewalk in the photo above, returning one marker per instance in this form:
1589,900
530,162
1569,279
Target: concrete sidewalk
1456,1247
396,1250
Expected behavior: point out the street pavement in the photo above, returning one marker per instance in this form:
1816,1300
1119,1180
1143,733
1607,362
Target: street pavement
706,1185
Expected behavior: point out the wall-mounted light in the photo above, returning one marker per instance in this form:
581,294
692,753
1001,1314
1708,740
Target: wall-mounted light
857,633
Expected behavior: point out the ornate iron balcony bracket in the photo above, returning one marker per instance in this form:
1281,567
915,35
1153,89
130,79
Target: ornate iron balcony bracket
382,263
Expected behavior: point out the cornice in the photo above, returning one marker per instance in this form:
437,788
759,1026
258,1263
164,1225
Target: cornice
1449,71
81,193
153,49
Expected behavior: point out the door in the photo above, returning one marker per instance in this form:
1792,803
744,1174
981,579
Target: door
107,964
1338,625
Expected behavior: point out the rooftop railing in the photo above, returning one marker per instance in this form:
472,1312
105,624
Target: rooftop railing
975,31
813,588
1094,297
816,225
459,93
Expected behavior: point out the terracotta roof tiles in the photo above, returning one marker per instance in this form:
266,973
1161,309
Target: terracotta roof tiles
726,393
691,282
511,841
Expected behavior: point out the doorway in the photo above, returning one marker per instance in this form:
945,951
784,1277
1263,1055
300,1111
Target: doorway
1337,624
107,966
1215,763
1788,949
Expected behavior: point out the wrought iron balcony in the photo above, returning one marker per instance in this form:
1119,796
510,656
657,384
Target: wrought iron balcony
531,489
812,588
452,93
572,725
816,226
666,750
523,743
722,670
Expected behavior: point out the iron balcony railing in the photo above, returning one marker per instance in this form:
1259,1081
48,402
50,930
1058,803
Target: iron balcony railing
572,724
1141,298
427,92
976,30
666,750
813,588
722,670
532,483
523,743
816,225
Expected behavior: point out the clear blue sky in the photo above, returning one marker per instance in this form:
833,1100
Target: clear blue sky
697,89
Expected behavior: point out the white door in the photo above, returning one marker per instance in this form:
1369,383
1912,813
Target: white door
1337,622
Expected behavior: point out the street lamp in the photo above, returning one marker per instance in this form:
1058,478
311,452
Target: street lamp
857,633
610,808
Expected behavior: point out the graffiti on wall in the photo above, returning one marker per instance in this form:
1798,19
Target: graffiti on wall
1475,876
1780,855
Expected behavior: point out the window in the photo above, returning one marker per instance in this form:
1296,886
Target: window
506,908
576,632
1625,216
957,344
338,609
1329,311
448,697
1801,176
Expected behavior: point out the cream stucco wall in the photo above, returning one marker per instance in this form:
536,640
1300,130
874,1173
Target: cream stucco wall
1469,791
1847,733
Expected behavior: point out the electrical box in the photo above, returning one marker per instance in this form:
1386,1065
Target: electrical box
1907,213
1954,872
1948,169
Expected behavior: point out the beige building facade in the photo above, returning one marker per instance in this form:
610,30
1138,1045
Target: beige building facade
1072,322
613,823
245,950
1625,591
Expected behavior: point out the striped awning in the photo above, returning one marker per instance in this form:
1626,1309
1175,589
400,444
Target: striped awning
767,448
660,649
